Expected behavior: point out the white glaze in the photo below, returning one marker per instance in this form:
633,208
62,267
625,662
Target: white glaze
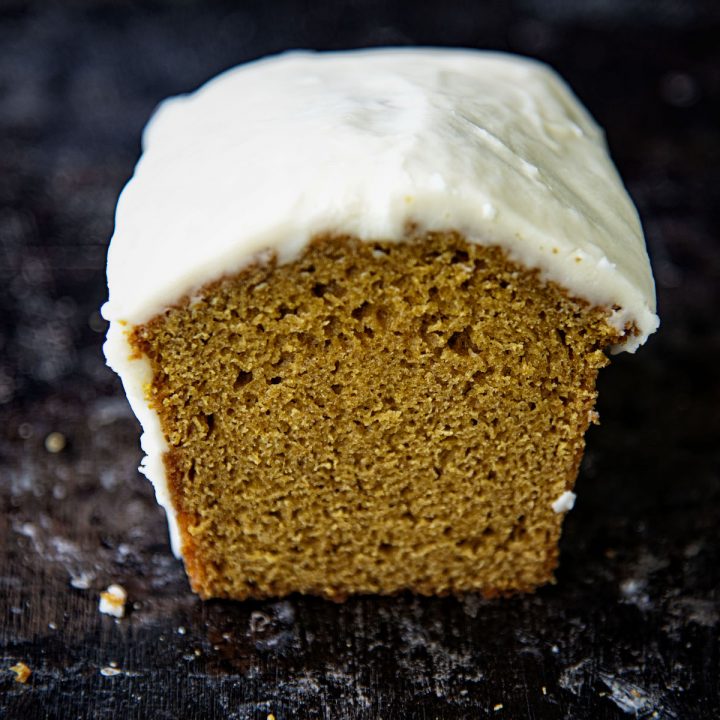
565,502
271,153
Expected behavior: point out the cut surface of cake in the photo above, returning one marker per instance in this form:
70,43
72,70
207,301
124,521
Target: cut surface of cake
358,302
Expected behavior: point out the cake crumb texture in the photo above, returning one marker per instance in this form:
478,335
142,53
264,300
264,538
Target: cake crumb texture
374,417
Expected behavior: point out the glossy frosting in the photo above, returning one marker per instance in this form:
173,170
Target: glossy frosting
269,154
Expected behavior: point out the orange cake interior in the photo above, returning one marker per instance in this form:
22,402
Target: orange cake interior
374,417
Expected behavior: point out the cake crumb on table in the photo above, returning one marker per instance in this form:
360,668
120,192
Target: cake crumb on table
81,581
112,601
22,672
55,442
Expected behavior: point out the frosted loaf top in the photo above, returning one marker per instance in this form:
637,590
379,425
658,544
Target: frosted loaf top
269,154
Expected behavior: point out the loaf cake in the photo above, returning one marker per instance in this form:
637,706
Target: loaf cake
358,302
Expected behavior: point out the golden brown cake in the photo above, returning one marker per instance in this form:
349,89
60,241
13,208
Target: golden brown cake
359,302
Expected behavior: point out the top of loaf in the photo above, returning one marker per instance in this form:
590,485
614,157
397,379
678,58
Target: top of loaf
269,154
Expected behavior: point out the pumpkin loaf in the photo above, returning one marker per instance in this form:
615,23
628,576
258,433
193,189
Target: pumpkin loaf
358,302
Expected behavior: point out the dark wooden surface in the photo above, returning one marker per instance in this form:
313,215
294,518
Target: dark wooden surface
631,629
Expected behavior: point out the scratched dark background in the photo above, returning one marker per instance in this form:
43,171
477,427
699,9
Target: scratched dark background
632,627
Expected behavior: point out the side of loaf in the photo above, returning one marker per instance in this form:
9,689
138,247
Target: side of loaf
373,378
